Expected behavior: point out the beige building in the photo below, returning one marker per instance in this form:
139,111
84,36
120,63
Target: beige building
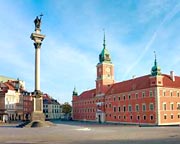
12,107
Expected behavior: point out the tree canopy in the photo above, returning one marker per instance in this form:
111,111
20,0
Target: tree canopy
66,108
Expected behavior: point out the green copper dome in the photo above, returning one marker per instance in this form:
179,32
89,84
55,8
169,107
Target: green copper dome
104,55
75,93
155,70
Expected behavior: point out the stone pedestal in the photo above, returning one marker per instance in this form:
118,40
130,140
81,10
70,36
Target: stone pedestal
38,114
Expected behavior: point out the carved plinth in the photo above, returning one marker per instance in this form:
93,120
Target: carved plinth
37,116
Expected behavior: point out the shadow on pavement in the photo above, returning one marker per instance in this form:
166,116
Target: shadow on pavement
154,141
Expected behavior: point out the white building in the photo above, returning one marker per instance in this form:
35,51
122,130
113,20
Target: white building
51,108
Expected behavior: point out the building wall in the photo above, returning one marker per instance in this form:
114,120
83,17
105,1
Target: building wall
116,107
52,111
27,106
169,105
14,105
122,107
85,109
2,105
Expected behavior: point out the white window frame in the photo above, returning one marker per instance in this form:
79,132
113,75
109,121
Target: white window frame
143,107
164,103
150,106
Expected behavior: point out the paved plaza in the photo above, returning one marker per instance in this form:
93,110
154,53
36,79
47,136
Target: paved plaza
87,133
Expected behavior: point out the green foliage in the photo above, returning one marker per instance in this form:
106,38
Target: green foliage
66,108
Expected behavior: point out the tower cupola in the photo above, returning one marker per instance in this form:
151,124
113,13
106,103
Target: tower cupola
104,56
75,93
155,70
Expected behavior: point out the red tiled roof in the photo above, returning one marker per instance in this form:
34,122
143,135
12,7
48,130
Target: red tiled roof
49,99
87,94
142,83
46,96
167,81
9,86
129,85
133,84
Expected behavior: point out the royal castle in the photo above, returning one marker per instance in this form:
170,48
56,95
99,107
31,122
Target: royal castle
152,99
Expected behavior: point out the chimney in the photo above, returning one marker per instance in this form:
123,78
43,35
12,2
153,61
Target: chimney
172,75
134,76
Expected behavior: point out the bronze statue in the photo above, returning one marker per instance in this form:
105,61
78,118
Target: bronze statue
37,22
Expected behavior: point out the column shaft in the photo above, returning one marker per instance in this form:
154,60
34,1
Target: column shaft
37,69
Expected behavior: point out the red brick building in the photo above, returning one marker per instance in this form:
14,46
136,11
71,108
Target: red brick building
151,99
27,105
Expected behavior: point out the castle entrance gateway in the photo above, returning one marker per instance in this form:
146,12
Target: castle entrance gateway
100,117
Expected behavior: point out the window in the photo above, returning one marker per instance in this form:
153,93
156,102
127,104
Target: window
119,98
129,96
119,117
164,106
138,117
124,108
143,94
124,117
144,107
171,106
114,109
178,116
171,116
144,117
137,107
124,97
165,116
178,106
178,94
151,106
110,105
131,117
119,108
114,117
151,117
171,93
150,94
136,95
114,98
164,93
130,108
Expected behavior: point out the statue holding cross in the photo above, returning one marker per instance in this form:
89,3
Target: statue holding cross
37,22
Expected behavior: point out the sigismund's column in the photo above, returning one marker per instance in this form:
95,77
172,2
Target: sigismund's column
37,37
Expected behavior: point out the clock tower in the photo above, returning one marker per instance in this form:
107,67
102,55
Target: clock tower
105,71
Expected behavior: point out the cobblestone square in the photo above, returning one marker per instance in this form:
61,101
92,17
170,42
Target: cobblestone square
88,133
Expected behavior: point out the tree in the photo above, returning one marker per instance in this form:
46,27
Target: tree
66,108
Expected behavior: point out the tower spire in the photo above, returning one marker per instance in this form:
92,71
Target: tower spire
156,70
104,56
155,61
104,42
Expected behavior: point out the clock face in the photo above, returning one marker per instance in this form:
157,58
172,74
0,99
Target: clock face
107,69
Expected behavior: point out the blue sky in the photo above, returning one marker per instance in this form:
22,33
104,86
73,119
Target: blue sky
74,38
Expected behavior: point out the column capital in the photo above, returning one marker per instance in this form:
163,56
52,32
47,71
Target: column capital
37,45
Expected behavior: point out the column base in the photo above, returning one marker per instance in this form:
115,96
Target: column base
37,116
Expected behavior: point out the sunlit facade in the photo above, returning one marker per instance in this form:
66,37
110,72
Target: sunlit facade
152,99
